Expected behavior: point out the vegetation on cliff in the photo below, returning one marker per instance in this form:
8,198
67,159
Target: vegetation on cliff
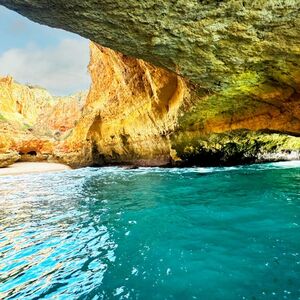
234,147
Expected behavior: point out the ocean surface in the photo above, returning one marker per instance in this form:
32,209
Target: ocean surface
109,233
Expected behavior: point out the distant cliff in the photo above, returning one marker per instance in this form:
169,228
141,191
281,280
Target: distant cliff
32,121
20,104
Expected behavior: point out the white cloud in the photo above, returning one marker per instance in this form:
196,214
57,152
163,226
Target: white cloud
61,69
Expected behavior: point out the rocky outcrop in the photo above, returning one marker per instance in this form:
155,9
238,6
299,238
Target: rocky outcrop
207,42
234,147
62,116
20,104
254,115
8,158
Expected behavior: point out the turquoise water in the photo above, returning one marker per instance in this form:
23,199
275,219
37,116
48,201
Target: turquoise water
201,233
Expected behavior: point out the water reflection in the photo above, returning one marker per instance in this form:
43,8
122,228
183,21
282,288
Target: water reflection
50,242
151,234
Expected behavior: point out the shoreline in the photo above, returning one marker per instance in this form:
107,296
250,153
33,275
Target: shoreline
22,168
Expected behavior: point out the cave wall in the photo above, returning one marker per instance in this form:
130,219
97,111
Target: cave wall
140,114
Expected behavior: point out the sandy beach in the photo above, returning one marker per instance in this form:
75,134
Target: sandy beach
32,167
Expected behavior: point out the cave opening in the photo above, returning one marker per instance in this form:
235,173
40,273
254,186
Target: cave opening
32,153
44,84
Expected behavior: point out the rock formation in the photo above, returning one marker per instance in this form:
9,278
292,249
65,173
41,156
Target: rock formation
140,114
219,82
32,122
22,104
130,110
8,158
62,115
209,42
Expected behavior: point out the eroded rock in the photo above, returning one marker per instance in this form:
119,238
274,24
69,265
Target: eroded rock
142,115
33,122
207,42
8,158
130,111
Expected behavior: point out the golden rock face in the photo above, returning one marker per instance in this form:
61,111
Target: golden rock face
22,104
136,113
131,109
32,121
62,115
238,62
140,114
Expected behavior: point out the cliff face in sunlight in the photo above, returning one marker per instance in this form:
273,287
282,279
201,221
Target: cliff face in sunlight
139,114
22,104
143,115
62,115
32,122
130,111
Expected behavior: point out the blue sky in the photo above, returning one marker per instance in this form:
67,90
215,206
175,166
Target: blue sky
37,54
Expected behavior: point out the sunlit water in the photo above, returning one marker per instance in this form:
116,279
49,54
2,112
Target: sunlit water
213,233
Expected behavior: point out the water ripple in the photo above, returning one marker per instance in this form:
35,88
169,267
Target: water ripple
152,233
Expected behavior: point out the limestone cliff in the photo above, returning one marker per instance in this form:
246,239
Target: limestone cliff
240,124
62,116
32,121
209,42
130,111
140,114
22,104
